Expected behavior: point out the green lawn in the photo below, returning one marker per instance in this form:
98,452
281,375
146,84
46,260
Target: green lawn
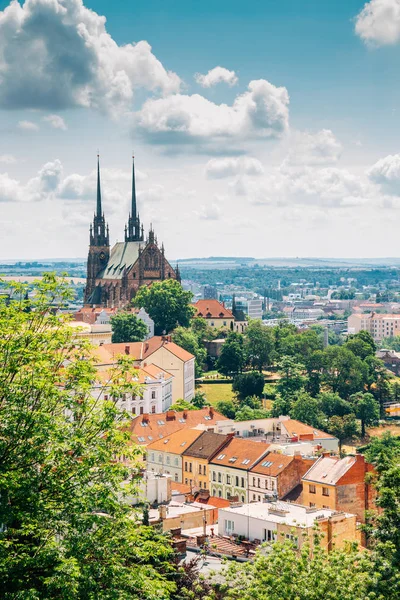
217,392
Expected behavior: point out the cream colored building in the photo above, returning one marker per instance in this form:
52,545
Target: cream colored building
215,313
97,334
378,325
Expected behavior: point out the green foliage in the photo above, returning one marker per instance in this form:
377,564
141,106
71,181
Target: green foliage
366,408
67,531
181,405
282,405
200,400
292,379
126,327
383,450
249,384
306,409
189,340
344,372
167,303
343,427
226,408
246,413
332,404
232,357
361,344
259,345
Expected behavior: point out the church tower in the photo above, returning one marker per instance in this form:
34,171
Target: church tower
99,248
134,232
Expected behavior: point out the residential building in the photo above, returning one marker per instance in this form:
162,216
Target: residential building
165,455
102,316
255,309
196,458
97,334
379,326
210,292
276,475
280,431
180,515
154,488
160,351
229,468
279,521
150,427
391,360
214,313
156,391
339,484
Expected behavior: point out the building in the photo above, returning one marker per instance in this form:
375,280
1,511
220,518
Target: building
165,455
149,427
230,467
379,326
272,521
160,351
339,484
214,313
276,475
156,391
391,360
115,274
255,309
97,334
281,431
102,316
210,292
196,458
154,488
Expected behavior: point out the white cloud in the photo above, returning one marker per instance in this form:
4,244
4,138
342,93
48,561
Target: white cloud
261,112
313,148
7,159
156,193
218,168
378,23
27,126
209,212
386,172
56,122
215,76
56,54
41,187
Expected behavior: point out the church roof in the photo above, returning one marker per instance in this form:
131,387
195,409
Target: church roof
123,256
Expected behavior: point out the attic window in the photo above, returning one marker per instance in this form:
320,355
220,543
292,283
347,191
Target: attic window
221,456
182,421
280,466
315,432
266,463
233,459
207,418
150,437
245,461
166,441
160,435
221,315
144,424
161,422
183,443
141,439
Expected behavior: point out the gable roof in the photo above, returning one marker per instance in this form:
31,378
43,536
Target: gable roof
329,469
177,442
240,453
148,428
142,350
123,256
151,372
302,431
212,309
272,464
206,445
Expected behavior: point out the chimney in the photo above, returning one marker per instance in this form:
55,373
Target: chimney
211,412
146,347
185,414
326,454
170,415
127,350
162,511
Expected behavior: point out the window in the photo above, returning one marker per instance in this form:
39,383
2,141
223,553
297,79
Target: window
228,479
311,489
242,498
221,456
190,467
245,461
168,460
254,496
219,478
266,463
199,469
229,526
186,481
242,480
204,470
160,458
292,538
141,412
258,483
153,409
214,478
176,461
254,482
259,498
237,481
219,494
176,476
269,535
152,456
325,491
153,395
324,506
186,466
134,410
312,504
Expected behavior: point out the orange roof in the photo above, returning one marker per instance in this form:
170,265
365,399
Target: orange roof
149,372
240,453
214,501
151,427
212,309
142,350
296,428
182,488
177,442
272,464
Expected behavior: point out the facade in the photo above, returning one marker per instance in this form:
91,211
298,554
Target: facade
255,309
379,326
276,475
165,455
210,292
149,427
97,334
272,521
214,313
229,468
196,459
156,396
115,274
339,484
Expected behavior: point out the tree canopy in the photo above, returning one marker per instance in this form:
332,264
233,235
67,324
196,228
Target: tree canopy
126,327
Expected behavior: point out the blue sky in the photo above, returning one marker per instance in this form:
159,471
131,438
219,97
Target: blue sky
287,144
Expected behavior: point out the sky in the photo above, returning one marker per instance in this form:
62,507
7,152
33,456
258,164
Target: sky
262,128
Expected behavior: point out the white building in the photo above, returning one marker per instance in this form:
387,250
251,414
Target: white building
97,334
255,309
142,315
154,488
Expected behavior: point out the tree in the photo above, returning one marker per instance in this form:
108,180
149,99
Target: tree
167,303
200,400
344,372
259,345
246,413
249,384
231,360
332,405
188,340
366,408
395,390
343,428
181,405
291,377
226,408
306,409
126,327
361,344
282,405
67,530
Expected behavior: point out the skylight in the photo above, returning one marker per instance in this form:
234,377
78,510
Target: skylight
143,424
161,422
207,417
221,456
266,463
166,441
245,461
233,459
182,421
150,437
183,443
141,439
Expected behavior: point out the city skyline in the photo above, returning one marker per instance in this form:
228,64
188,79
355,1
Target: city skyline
265,130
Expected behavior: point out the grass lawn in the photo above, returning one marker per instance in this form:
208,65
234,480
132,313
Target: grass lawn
217,392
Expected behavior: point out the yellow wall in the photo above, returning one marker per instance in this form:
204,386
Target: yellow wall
199,480
172,364
218,323
318,499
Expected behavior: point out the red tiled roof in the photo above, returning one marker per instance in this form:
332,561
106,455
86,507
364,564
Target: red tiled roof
212,309
297,429
240,453
142,350
177,442
279,462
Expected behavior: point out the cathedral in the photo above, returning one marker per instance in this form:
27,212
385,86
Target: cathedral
114,276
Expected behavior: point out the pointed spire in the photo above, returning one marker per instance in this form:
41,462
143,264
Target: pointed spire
133,233
133,206
98,208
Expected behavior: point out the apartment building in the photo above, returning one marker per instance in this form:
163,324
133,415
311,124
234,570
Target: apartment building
165,455
215,313
196,458
276,475
380,326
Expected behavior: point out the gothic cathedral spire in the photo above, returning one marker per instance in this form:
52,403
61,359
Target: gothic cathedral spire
133,233
99,232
